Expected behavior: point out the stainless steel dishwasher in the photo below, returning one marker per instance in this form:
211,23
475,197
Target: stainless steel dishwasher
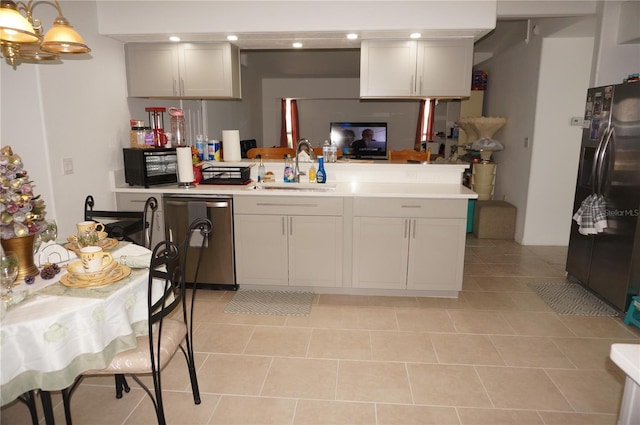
217,270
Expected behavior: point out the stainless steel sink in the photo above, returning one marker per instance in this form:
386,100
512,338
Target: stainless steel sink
298,187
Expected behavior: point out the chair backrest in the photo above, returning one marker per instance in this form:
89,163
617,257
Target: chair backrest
409,155
318,152
149,213
270,153
167,277
125,225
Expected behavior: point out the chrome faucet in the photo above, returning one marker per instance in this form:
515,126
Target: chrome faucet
301,142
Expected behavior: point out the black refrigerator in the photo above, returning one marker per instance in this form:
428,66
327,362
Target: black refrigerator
608,262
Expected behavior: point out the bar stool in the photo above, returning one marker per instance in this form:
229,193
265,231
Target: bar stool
633,314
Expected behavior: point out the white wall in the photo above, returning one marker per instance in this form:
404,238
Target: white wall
511,92
77,110
323,100
556,144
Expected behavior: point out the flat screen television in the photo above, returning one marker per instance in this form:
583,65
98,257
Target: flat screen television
360,139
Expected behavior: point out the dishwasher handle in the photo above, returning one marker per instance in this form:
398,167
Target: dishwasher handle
209,204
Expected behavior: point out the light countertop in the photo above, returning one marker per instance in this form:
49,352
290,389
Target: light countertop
341,189
388,180
627,357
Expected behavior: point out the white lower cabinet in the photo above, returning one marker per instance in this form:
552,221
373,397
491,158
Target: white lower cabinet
409,244
288,241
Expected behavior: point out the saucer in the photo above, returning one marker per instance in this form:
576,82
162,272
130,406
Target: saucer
117,273
77,270
105,244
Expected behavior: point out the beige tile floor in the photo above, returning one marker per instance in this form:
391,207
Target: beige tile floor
496,355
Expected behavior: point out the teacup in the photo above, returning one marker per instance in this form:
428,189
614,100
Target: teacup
89,226
94,259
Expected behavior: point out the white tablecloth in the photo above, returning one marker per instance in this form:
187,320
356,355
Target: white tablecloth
57,333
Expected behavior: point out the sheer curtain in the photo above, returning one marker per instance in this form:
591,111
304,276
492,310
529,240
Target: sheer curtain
420,128
289,124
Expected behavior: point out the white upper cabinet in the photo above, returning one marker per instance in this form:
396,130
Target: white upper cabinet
428,68
189,70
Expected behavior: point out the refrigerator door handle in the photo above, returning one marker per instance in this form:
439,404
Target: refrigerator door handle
595,167
603,152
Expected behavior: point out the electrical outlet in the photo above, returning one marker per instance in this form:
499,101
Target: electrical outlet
576,121
526,142
67,165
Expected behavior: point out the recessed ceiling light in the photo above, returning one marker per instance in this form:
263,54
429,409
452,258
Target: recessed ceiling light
232,37
297,45
416,35
174,38
352,36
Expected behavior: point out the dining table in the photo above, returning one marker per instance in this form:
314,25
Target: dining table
57,332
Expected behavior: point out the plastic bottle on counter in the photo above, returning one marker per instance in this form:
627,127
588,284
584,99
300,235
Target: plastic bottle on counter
200,146
289,177
261,171
325,149
312,173
321,175
333,152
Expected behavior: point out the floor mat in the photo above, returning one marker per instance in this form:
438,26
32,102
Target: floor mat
572,299
284,303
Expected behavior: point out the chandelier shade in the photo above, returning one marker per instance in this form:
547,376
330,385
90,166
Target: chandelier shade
21,36
15,28
62,38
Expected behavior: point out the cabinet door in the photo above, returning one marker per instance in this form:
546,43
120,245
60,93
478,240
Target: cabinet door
315,251
444,67
261,249
206,70
380,252
152,70
387,68
436,254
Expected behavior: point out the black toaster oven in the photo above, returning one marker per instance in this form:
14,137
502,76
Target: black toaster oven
149,167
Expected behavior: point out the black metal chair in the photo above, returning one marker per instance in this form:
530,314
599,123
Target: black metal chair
165,335
128,226
132,226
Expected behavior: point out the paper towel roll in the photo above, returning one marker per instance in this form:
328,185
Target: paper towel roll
231,146
185,164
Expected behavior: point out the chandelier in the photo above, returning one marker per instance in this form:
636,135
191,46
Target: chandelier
21,36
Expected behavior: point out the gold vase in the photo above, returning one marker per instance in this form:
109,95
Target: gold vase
23,247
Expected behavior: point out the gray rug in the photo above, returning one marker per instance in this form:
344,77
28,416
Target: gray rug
283,303
572,299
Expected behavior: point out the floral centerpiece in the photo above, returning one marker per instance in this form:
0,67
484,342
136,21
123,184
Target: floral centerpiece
22,213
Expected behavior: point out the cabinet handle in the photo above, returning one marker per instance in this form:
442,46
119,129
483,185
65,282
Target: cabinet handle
219,204
412,87
411,206
413,229
277,204
406,221
182,86
284,232
290,226
174,87
420,92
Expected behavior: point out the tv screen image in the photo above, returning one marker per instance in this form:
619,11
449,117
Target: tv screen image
360,139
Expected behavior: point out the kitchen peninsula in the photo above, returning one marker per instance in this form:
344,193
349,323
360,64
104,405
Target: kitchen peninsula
376,227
